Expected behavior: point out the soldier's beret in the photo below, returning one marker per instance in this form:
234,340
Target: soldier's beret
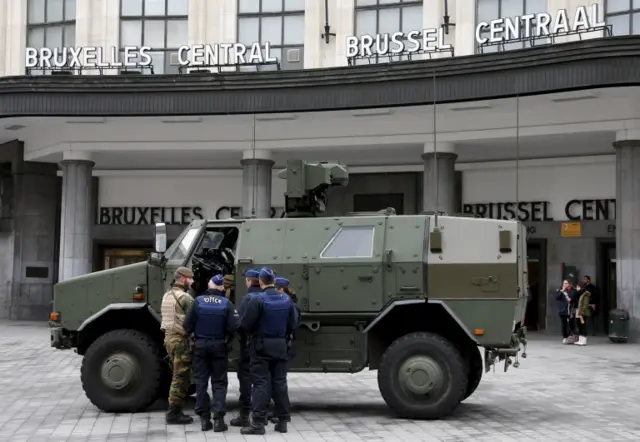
282,282
184,272
229,281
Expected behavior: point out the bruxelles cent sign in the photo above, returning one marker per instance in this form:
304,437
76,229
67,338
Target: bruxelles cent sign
140,215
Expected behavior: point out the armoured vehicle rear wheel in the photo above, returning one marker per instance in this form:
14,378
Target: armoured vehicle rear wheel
422,376
121,372
475,373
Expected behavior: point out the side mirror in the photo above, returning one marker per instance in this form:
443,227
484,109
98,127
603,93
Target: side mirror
160,235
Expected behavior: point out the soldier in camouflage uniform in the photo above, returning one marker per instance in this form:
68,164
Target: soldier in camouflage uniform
175,304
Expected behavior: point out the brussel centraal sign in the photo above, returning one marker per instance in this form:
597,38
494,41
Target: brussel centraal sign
537,25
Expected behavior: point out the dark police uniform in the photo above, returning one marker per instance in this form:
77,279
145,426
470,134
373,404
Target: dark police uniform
213,321
244,373
282,284
269,318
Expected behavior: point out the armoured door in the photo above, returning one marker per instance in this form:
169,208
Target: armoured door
347,274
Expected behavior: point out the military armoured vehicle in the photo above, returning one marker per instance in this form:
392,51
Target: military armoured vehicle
414,297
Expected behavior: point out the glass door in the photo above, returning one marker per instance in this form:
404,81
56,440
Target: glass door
118,257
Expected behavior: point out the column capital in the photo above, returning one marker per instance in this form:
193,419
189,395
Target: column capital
73,156
258,154
439,148
626,143
628,134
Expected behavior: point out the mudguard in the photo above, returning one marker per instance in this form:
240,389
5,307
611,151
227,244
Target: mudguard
404,302
119,306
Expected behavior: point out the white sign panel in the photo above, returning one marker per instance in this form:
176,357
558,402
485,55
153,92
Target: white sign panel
538,25
130,56
427,40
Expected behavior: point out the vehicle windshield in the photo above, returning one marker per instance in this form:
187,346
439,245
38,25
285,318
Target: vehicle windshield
180,247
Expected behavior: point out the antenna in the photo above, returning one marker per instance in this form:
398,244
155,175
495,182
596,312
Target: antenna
254,194
435,150
521,259
517,151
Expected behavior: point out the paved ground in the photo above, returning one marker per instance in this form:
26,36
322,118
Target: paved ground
558,393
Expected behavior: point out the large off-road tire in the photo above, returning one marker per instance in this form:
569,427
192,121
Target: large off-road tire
475,369
121,371
422,376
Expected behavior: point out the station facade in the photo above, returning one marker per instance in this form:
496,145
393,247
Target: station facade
524,109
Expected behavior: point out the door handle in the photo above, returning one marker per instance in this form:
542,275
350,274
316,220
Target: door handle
411,288
366,278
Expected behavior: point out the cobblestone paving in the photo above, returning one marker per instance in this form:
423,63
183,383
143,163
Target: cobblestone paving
559,393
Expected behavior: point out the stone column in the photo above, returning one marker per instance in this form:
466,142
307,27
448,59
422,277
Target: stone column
256,183
77,217
439,191
627,147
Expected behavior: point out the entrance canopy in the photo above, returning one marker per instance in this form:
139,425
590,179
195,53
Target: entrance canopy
560,100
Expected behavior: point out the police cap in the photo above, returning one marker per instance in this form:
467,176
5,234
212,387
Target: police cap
266,274
282,282
183,272
251,273
217,280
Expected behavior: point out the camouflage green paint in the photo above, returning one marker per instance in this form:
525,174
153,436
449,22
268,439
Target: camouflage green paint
494,316
179,351
341,295
78,298
472,281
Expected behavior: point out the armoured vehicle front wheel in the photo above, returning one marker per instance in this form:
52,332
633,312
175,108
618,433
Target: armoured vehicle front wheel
422,376
475,373
122,371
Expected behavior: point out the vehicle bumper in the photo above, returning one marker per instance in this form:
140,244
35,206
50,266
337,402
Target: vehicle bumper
59,339
510,355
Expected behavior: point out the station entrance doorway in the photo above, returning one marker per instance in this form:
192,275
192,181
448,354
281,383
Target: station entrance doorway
607,284
536,317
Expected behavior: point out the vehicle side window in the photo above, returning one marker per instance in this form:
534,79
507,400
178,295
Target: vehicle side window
181,247
350,242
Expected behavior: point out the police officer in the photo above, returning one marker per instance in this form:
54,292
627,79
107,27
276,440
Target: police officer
175,305
213,320
282,284
244,374
269,318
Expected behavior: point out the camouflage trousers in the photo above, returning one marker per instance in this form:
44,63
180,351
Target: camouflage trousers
179,350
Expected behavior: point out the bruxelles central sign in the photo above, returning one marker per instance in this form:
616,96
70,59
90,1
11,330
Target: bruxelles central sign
133,56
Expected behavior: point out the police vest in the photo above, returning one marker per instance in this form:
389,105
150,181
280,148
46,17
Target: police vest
172,313
275,314
211,322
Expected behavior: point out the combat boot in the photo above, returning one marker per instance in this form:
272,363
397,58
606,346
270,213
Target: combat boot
271,417
218,424
281,426
254,428
175,416
205,423
242,420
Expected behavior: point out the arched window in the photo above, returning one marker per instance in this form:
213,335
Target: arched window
488,10
161,25
51,23
623,16
279,22
374,17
